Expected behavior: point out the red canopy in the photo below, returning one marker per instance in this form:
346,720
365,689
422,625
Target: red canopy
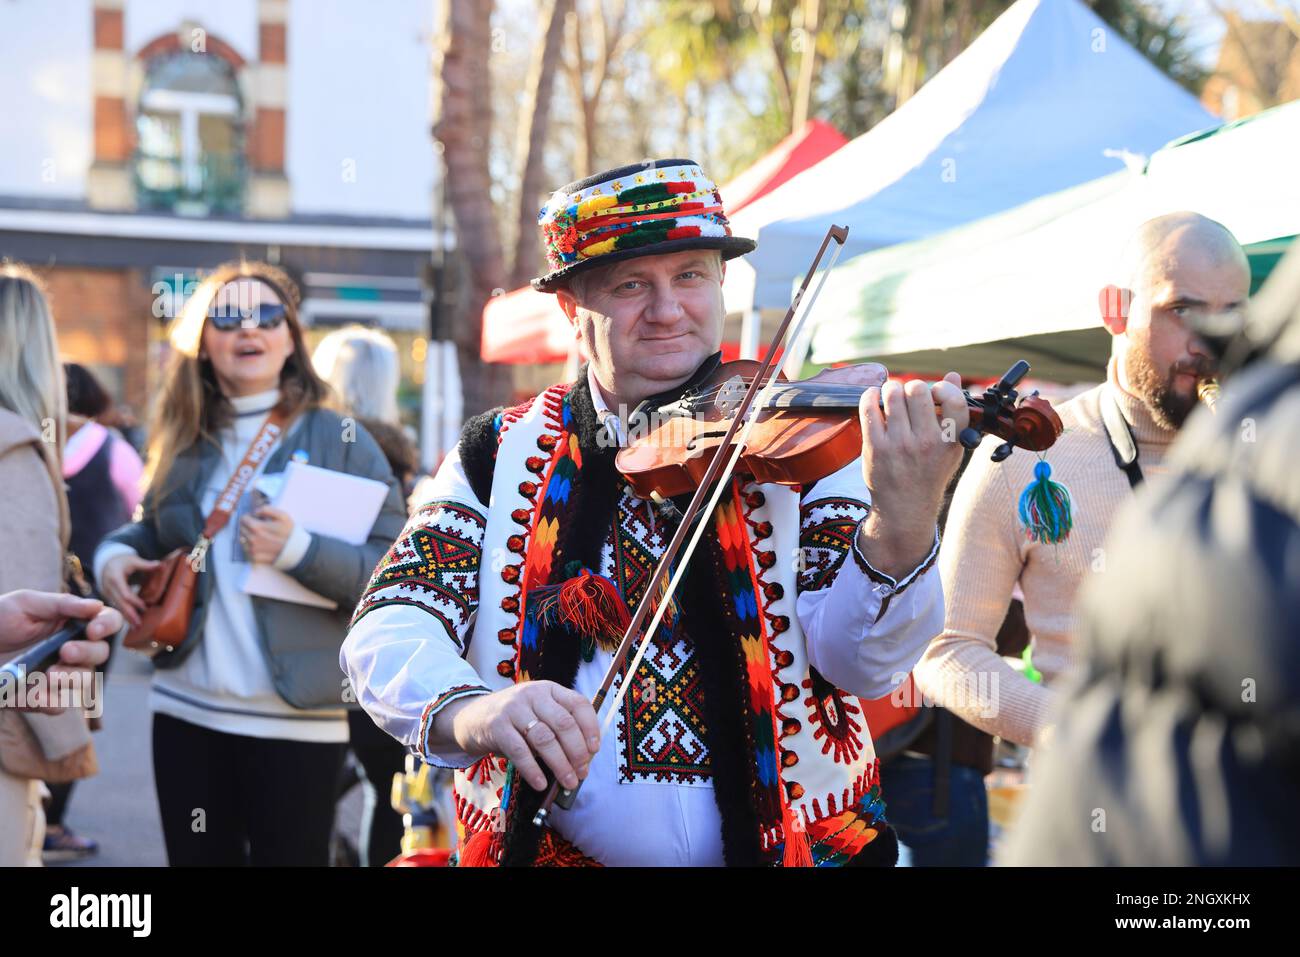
526,326
523,327
794,154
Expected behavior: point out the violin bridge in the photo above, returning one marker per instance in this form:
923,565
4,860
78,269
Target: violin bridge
730,394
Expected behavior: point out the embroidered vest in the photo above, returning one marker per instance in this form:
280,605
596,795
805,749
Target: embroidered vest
822,764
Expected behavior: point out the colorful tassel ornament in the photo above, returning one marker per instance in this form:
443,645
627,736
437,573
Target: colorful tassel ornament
1045,509
798,852
587,604
483,849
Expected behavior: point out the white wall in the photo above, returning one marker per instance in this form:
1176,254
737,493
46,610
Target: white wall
47,121
359,77
359,113
234,21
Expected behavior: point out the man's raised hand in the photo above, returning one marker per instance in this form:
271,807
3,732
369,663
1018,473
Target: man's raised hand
909,454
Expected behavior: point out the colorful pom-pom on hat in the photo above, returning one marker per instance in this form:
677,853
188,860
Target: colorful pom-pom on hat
646,209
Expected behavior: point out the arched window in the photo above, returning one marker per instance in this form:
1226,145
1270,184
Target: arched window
190,138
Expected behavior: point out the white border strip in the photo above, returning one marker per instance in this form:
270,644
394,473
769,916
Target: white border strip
407,316
395,283
202,230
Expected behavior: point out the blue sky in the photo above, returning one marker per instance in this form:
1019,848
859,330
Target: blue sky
1208,28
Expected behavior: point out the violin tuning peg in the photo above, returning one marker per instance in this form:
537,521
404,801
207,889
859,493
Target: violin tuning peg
969,438
1002,452
1013,376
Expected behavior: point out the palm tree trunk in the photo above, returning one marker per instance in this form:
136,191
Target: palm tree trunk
534,119
464,129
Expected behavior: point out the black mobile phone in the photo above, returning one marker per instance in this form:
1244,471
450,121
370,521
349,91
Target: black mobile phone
41,655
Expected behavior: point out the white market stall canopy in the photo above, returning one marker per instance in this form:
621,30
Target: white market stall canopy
1028,279
1028,109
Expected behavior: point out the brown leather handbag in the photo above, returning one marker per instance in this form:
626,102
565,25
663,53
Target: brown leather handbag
168,590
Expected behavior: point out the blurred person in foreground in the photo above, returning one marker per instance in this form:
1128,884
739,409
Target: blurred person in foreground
1178,742
34,533
362,368
102,475
1174,268
248,712
740,742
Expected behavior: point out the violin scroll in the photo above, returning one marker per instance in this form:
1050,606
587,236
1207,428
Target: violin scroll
1036,424
1027,422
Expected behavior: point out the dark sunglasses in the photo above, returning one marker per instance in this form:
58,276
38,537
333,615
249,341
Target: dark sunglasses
266,316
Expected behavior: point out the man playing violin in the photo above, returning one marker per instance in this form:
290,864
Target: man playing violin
488,627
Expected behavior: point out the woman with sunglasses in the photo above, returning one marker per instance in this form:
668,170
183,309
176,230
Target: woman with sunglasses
249,727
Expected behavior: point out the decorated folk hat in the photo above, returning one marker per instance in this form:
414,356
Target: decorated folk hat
646,209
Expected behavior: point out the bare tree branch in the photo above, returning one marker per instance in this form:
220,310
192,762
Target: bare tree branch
1232,20
1287,15
807,66
782,74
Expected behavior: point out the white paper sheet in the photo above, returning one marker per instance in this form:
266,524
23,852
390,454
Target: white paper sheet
323,502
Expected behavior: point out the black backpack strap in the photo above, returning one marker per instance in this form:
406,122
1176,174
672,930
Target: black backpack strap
1120,435
942,764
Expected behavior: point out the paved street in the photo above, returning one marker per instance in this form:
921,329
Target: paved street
118,807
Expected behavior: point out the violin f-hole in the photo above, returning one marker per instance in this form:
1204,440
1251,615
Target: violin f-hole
693,442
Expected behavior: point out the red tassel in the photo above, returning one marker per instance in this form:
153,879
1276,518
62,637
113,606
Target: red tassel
591,605
670,613
481,850
798,852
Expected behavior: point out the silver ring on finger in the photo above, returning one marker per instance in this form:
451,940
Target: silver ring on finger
531,724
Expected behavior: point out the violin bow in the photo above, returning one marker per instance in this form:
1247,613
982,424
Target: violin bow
715,479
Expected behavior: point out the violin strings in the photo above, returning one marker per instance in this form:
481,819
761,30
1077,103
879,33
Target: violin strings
828,389
832,389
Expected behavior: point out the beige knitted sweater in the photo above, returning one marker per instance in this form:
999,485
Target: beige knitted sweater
985,554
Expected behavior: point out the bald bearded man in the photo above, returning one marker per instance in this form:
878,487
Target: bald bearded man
1175,270
1181,268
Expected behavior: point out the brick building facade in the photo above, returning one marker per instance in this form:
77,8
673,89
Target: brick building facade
154,139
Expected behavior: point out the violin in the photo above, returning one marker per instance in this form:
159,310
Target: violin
804,431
